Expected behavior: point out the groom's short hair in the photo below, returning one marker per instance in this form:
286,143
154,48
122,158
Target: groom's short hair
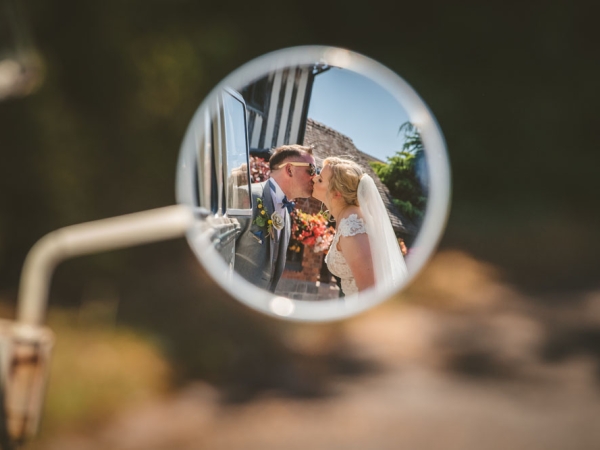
280,154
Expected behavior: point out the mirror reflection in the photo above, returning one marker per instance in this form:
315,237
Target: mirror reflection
316,181
319,177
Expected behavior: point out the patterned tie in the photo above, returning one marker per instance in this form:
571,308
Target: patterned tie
287,204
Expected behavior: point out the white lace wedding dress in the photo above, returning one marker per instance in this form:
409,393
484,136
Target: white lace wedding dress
336,263
389,267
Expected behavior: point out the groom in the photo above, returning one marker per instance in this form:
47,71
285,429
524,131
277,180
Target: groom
260,249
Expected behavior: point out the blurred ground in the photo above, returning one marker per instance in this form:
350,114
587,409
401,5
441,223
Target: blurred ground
459,361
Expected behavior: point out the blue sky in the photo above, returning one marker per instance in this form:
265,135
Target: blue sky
359,108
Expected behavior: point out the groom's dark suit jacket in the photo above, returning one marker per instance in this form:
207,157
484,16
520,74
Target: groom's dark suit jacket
262,263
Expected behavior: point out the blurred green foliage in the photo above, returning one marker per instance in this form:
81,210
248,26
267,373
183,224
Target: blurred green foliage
96,370
513,87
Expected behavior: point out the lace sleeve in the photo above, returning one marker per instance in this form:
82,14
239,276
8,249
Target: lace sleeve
351,226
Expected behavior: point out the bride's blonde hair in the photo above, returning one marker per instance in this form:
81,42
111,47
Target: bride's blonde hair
345,176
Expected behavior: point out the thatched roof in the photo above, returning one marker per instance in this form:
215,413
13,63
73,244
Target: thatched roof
328,142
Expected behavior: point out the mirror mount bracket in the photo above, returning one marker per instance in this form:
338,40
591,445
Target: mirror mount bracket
87,238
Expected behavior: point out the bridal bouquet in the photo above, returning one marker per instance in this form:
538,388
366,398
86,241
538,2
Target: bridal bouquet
310,230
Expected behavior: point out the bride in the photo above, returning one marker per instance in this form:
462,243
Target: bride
364,252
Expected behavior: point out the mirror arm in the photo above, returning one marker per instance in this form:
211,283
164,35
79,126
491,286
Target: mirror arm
202,213
91,237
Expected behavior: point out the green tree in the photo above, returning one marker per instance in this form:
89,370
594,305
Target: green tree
412,138
400,176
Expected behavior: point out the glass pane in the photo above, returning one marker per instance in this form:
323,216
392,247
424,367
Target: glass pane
238,183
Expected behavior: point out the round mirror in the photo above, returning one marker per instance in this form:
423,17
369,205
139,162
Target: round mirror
319,180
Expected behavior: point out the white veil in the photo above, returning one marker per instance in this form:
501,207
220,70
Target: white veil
388,262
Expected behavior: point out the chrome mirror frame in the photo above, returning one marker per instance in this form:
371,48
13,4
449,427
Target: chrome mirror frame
201,236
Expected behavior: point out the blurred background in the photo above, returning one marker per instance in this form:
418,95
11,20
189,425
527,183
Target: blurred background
495,345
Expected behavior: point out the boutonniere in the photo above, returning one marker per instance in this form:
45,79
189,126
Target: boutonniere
266,223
